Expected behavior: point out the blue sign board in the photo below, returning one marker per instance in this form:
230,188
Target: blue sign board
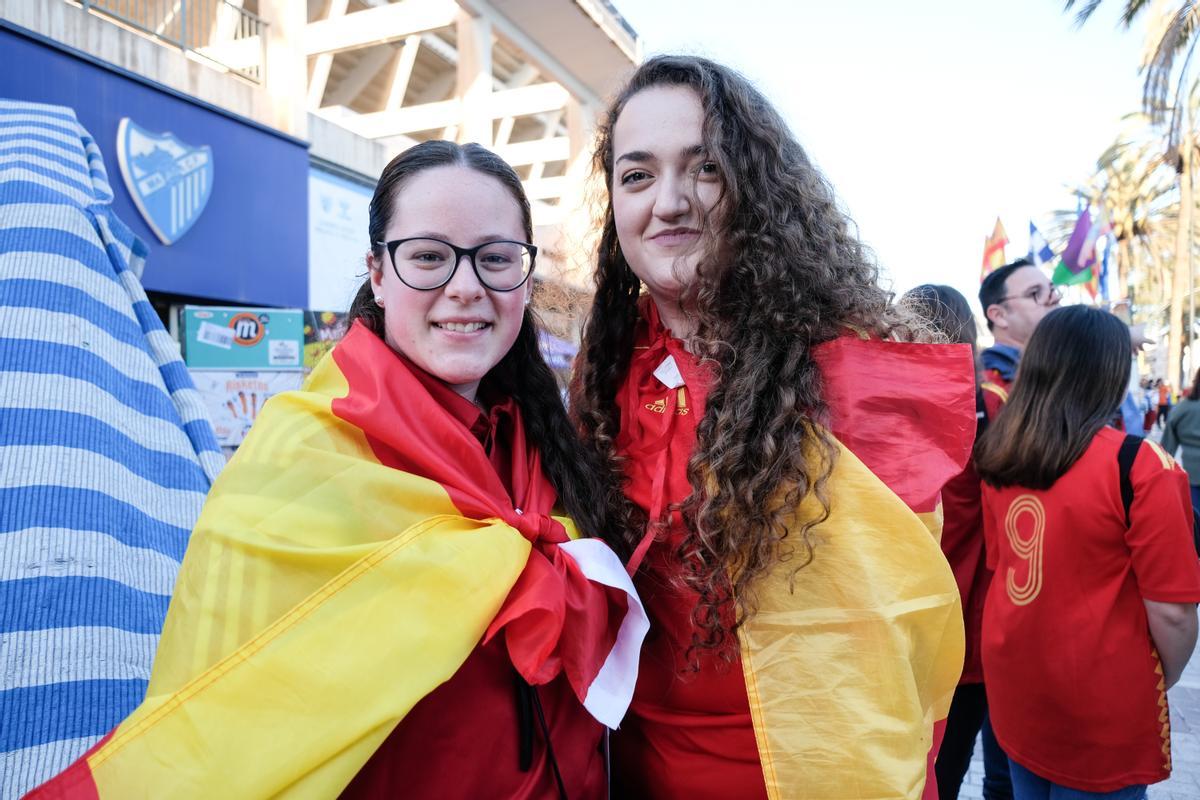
250,244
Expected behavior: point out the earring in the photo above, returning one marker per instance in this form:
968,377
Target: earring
379,300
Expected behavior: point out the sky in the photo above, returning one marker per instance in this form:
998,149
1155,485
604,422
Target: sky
930,118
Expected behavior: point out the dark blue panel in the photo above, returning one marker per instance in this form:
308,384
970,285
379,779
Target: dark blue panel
35,604
88,510
40,714
50,358
49,428
250,246
51,296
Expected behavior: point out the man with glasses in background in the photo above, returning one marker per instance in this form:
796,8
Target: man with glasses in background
1014,298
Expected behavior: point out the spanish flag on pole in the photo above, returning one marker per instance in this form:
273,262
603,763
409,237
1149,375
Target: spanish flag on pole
993,249
348,560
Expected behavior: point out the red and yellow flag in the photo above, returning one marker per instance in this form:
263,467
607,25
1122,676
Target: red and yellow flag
349,558
852,661
993,249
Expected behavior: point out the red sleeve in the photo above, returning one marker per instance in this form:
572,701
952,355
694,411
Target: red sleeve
994,398
1160,531
989,529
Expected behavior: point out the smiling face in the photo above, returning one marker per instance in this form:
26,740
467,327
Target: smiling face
459,331
663,186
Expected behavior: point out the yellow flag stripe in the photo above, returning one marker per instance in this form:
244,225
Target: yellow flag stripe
239,717
851,661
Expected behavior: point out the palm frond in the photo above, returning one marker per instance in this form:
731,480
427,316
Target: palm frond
1132,9
1175,36
1085,10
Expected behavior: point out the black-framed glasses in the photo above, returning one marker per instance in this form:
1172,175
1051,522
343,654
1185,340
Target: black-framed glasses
1042,295
425,264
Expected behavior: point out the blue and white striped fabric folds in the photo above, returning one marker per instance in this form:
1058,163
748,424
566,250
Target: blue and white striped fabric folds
106,452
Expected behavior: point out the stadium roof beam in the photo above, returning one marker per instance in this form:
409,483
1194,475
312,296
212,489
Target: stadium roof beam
322,63
524,77
537,151
525,100
402,72
378,25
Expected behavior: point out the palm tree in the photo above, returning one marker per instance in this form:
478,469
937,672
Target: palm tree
1168,97
1135,187
1174,36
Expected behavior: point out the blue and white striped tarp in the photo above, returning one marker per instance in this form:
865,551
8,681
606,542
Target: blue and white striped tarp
106,452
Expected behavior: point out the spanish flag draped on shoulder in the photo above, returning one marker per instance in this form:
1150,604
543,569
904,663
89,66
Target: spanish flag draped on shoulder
851,657
873,627
348,560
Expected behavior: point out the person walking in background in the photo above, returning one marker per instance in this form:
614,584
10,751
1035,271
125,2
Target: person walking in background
1150,404
1014,298
1182,429
782,448
962,542
1164,401
1092,615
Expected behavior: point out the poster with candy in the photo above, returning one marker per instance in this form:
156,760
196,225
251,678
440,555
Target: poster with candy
322,330
235,399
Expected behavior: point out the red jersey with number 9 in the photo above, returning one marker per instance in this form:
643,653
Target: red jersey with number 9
1075,686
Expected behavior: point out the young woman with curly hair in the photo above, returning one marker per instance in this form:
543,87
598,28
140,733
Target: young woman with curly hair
742,368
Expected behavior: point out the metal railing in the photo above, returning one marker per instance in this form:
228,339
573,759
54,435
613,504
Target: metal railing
220,30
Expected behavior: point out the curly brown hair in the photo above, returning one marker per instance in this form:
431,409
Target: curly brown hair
783,271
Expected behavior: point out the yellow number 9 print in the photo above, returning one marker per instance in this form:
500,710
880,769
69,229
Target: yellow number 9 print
1028,550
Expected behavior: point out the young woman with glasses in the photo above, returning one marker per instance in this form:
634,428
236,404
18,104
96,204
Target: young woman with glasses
779,446
1091,615
378,599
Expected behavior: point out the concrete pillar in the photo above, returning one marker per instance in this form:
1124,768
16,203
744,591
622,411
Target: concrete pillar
474,84
286,78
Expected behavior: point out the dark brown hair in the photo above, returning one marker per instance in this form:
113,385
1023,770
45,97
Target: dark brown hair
1072,378
1194,393
946,310
783,271
588,492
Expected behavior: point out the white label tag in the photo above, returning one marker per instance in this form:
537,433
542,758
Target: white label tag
668,373
215,335
284,352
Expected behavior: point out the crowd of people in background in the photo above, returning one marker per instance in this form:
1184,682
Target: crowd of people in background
1071,538
718,574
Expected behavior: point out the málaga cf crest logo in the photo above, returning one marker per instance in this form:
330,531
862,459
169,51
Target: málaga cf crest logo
170,181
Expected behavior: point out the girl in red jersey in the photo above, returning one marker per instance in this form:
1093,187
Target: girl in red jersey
1091,616
378,599
784,450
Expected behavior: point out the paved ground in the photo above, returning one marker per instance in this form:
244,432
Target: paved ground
1184,784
